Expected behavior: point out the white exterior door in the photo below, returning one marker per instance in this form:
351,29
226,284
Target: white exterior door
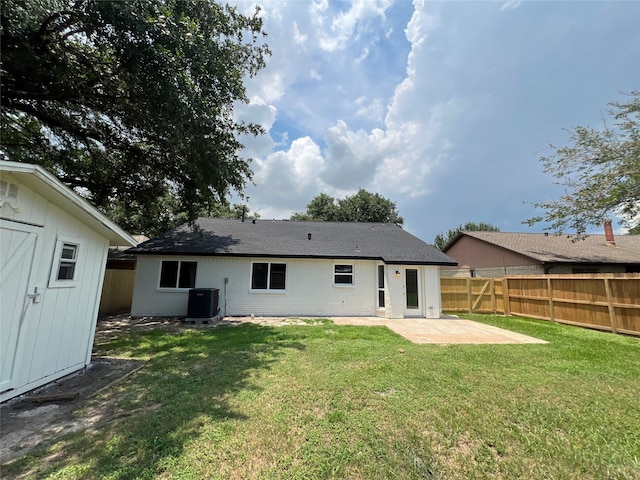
412,300
17,248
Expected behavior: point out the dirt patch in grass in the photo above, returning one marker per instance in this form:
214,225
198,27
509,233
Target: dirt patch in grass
78,401
82,400
64,406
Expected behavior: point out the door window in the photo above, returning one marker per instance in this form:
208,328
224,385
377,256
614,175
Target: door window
412,288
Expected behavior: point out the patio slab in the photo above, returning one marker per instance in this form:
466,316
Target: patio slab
450,330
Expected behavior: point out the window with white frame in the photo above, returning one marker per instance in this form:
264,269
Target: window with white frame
65,263
380,286
178,274
268,276
343,274
68,260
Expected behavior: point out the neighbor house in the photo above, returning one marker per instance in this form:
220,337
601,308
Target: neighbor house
53,252
496,254
285,268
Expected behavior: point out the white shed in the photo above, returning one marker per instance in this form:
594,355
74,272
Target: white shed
53,250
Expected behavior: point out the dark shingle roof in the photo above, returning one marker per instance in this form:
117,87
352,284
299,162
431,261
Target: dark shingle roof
560,249
286,239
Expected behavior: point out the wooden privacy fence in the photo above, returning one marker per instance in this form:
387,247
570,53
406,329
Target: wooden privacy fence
603,301
117,291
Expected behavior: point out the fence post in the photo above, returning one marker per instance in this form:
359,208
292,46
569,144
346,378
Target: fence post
469,303
505,294
612,310
552,316
494,305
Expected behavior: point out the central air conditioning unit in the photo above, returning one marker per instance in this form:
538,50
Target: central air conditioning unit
203,304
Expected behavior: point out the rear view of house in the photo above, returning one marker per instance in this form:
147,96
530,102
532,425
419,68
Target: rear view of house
284,268
53,250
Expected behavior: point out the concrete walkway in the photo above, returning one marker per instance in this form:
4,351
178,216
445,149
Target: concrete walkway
449,330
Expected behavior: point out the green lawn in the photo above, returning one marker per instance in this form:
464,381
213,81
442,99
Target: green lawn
326,401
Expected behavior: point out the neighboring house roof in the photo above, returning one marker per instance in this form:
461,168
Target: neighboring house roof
561,249
121,252
288,239
48,186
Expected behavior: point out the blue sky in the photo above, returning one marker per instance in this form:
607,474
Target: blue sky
443,107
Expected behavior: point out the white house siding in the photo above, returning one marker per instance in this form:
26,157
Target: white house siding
430,305
56,334
310,289
431,294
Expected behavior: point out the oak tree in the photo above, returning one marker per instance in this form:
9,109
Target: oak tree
131,103
599,172
443,239
363,206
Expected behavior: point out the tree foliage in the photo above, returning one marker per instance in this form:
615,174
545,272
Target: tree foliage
131,103
236,210
361,207
599,172
443,239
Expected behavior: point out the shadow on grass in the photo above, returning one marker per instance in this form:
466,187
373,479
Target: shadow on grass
188,385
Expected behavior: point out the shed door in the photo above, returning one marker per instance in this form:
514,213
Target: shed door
17,248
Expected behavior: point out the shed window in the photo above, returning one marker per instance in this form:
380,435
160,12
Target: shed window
178,274
68,259
66,262
343,274
268,276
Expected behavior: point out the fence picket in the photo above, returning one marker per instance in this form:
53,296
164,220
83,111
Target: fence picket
585,300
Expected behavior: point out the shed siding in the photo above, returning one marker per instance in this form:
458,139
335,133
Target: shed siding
57,333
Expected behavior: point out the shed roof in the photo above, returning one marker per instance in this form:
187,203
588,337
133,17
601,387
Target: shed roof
288,239
51,188
562,249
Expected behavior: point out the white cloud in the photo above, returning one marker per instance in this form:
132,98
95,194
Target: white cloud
393,159
346,25
411,99
287,180
363,55
298,37
511,5
370,109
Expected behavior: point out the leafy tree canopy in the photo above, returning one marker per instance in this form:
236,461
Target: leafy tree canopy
599,172
130,103
235,211
361,207
443,239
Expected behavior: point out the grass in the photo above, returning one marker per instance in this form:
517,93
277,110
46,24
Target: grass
326,401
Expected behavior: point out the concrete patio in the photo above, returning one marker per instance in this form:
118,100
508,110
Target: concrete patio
448,330
443,330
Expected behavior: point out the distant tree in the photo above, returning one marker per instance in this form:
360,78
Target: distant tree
361,207
599,172
235,211
130,103
321,208
443,239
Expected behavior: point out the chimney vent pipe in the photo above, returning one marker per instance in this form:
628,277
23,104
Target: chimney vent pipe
608,233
